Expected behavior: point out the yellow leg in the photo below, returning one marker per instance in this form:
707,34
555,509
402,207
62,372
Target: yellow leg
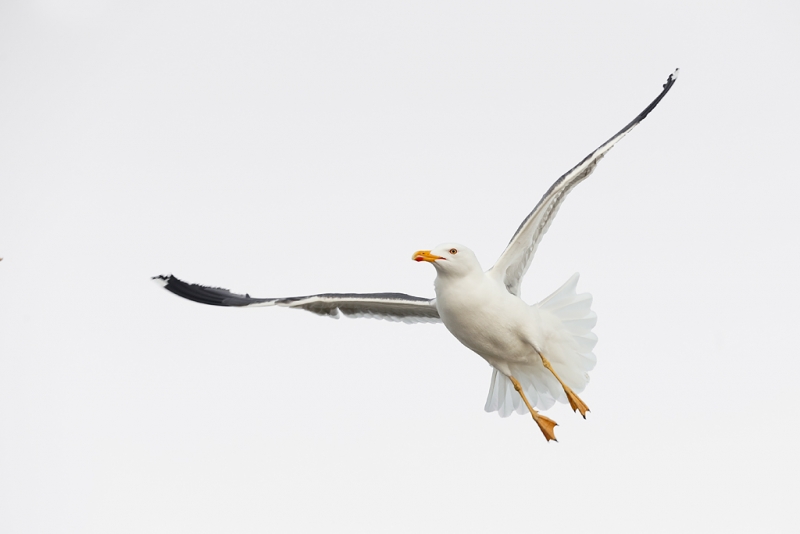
574,401
546,425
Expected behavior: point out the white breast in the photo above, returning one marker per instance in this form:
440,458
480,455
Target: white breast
485,317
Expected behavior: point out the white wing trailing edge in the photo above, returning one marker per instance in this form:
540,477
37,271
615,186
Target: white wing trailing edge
397,307
513,263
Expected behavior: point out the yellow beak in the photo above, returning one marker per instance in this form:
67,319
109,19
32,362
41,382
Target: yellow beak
425,255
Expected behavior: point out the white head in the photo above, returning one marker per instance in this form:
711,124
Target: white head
450,259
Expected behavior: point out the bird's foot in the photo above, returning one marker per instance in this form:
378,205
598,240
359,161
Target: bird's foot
576,403
546,425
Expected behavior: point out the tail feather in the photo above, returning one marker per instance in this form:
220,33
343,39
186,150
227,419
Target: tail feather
563,295
586,342
575,309
580,326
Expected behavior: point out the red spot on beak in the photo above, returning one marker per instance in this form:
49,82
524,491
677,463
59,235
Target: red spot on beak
424,255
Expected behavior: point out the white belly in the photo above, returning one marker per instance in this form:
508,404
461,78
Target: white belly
486,318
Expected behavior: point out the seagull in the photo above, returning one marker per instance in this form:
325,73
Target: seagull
539,353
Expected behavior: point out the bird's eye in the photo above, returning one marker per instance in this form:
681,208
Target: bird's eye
453,251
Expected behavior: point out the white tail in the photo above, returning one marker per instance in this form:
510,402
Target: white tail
564,336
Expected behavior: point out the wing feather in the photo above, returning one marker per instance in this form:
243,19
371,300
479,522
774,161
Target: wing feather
516,258
389,306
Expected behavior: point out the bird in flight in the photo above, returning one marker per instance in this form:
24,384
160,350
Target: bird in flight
540,353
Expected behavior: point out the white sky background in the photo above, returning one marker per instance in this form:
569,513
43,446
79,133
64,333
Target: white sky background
288,148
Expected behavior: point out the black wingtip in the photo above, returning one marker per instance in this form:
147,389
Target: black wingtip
193,292
641,116
672,79
213,296
665,89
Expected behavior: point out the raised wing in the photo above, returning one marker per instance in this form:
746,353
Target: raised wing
389,306
516,258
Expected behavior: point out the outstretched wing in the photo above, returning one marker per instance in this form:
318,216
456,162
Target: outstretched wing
516,258
390,306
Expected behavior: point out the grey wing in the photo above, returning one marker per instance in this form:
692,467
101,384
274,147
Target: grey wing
389,306
516,258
